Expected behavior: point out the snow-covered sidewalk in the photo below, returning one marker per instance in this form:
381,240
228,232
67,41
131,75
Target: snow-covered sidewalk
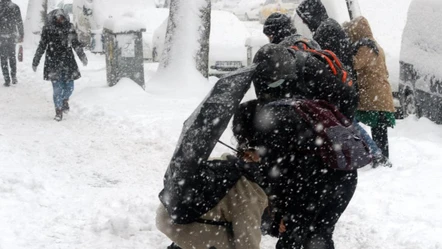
91,181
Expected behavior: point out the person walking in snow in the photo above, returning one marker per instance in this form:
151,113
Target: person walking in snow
375,107
327,32
307,196
11,31
331,36
58,39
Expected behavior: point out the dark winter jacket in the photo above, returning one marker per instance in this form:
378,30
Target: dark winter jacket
11,23
294,39
303,191
58,40
283,73
203,189
326,31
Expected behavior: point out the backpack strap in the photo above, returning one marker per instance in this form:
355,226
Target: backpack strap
345,76
332,60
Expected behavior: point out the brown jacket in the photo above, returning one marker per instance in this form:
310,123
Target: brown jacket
243,206
371,69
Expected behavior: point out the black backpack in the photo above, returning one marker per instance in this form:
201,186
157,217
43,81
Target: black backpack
327,57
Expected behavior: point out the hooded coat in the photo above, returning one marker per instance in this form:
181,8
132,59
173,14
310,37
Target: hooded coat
326,31
58,40
374,89
11,23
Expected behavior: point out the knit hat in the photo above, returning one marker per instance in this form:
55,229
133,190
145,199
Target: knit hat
278,26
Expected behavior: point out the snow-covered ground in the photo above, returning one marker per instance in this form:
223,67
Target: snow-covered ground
92,180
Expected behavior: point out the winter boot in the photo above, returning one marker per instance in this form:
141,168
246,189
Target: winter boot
58,115
14,80
65,107
7,83
381,160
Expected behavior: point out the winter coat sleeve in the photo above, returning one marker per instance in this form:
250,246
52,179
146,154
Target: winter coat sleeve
364,57
42,45
19,22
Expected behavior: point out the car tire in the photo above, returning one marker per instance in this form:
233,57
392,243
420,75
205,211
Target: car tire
410,106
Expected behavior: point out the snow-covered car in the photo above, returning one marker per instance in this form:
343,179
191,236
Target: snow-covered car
420,83
89,17
248,10
282,6
228,37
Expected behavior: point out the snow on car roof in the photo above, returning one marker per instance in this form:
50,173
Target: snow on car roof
421,39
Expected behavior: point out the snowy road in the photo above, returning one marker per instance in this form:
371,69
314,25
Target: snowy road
91,181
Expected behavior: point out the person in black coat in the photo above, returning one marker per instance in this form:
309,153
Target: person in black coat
58,39
306,197
326,31
11,31
284,73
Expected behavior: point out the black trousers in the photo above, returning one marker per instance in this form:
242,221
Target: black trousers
311,221
380,134
7,54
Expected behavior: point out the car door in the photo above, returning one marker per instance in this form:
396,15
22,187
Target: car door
420,81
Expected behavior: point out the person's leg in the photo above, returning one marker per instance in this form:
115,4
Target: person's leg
5,69
13,62
374,149
380,134
302,208
58,99
338,189
68,89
